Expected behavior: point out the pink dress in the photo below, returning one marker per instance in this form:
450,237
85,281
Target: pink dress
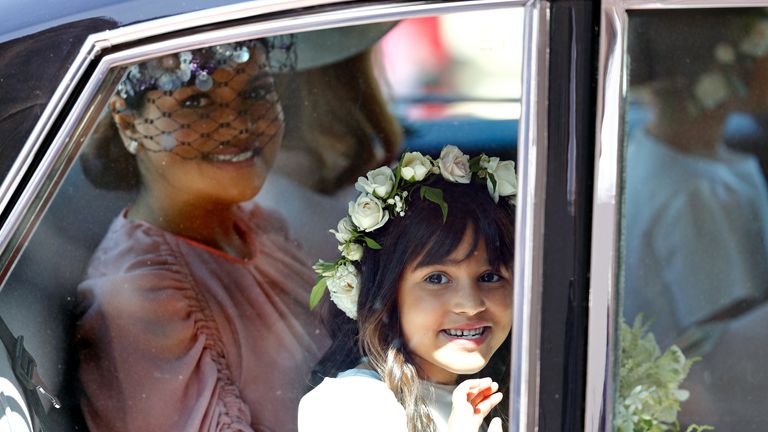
177,336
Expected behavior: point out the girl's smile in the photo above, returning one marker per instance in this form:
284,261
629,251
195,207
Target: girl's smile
472,333
455,314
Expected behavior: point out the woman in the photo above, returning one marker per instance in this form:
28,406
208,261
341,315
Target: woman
194,307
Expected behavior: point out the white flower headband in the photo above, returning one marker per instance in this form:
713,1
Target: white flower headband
714,87
384,194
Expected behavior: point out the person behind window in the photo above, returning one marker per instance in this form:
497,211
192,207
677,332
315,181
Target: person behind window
194,312
424,296
696,212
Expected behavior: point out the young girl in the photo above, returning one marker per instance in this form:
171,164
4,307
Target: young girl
424,280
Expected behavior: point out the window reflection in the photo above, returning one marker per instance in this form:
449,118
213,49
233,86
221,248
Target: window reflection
696,205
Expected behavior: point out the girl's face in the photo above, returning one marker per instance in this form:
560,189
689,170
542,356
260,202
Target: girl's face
219,143
455,314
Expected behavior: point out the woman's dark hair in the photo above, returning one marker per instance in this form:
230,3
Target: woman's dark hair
420,234
105,161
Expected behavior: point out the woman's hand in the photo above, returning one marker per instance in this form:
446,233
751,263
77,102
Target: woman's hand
472,400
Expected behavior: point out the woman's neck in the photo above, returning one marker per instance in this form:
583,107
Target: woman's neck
213,224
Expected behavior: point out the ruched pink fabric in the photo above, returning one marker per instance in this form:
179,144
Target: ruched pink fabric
177,336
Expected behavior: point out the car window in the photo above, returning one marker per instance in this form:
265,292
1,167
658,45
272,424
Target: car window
109,277
694,217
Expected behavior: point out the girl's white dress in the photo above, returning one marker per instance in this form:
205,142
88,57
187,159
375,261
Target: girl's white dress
358,400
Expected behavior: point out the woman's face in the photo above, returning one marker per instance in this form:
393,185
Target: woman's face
217,144
455,314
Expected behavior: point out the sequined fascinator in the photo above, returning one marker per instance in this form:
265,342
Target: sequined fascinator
174,71
384,195
285,53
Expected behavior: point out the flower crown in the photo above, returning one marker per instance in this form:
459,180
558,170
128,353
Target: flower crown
715,86
384,195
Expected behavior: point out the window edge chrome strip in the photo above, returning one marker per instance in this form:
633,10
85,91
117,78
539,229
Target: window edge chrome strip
532,160
605,218
606,222
98,42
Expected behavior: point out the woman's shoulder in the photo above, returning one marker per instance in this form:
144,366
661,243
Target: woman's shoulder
136,269
355,400
127,241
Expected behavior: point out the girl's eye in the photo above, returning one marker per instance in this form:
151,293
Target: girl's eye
258,92
199,100
490,277
436,278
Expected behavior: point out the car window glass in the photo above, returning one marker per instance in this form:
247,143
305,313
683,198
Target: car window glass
694,268
322,108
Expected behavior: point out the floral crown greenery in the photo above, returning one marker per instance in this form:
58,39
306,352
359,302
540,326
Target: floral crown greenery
384,195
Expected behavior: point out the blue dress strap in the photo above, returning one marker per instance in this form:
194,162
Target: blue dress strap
357,372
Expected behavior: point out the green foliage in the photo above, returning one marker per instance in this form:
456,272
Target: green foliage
317,292
649,393
436,196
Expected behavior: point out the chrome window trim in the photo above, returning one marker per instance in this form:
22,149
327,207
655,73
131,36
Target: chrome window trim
61,145
529,235
611,89
606,222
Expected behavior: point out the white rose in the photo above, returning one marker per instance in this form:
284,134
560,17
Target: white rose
345,230
368,212
506,180
725,54
415,166
352,251
344,287
489,163
379,182
454,165
711,90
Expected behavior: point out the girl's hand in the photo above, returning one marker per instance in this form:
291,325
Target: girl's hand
472,400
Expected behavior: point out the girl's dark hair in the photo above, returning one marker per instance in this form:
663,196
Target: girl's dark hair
420,234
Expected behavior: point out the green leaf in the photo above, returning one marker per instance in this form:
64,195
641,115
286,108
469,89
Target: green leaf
317,292
493,180
474,163
371,243
436,196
